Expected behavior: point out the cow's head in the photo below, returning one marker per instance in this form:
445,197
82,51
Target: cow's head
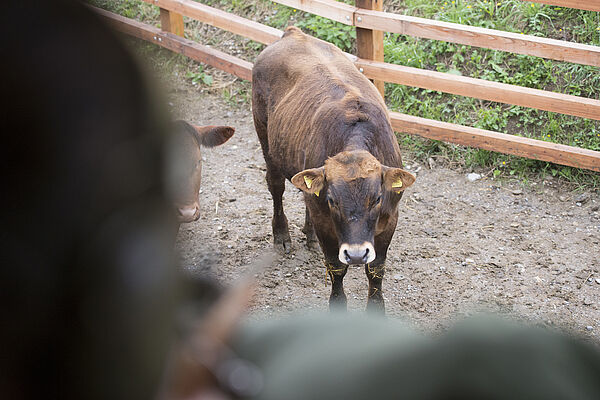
358,189
184,164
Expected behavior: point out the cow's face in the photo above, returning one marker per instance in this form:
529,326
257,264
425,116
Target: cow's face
357,189
184,164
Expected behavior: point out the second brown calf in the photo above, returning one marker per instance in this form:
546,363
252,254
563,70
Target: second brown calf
325,127
184,164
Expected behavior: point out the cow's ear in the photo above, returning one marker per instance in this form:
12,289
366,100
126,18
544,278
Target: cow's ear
310,180
211,136
397,179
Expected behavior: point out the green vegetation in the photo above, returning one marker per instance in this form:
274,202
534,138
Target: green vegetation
513,16
135,9
341,35
508,15
200,76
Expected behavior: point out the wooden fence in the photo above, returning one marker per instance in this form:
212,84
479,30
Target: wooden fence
370,23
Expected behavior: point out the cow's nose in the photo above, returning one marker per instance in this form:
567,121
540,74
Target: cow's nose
356,253
188,214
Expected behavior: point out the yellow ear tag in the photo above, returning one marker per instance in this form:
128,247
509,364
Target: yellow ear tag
397,184
317,193
308,181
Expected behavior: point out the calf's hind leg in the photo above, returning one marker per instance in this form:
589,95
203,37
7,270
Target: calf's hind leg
281,233
275,181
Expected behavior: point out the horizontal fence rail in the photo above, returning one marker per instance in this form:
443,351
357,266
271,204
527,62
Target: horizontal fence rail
215,58
331,9
559,50
459,134
496,141
482,89
591,5
221,19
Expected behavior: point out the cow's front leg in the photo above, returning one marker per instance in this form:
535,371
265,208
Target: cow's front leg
375,302
336,272
376,269
335,269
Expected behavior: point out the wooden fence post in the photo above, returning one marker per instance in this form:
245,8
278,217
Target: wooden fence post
171,22
369,43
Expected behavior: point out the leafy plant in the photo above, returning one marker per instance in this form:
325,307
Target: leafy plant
331,31
498,66
200,76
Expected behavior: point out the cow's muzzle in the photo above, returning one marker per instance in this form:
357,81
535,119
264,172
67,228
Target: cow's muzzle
356,253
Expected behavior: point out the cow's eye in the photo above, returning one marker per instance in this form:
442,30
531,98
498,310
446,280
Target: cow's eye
330,201
377,201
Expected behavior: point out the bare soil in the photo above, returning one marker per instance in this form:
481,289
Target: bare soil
460,247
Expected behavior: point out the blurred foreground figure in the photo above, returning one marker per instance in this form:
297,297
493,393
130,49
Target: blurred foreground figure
87,278
337,357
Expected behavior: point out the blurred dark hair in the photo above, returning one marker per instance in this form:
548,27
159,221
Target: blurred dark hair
86,287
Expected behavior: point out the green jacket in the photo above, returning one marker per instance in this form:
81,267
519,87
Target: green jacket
356,357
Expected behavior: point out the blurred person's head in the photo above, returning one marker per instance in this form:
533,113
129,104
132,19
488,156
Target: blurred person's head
87,280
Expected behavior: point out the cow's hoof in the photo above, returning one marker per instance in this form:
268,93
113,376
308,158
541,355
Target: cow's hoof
283,245
376,307
312,244
338,306
338,302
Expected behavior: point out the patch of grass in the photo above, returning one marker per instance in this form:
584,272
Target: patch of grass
238,95
343,36
134,9
200,76
520,70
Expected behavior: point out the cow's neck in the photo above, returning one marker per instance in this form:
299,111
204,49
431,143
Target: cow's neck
357,141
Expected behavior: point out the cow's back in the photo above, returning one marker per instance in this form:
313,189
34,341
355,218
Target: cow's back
309,94
296,57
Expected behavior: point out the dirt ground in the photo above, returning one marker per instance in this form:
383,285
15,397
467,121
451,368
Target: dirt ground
460,246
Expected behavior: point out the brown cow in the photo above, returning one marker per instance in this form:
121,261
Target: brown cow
325,127
184,164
